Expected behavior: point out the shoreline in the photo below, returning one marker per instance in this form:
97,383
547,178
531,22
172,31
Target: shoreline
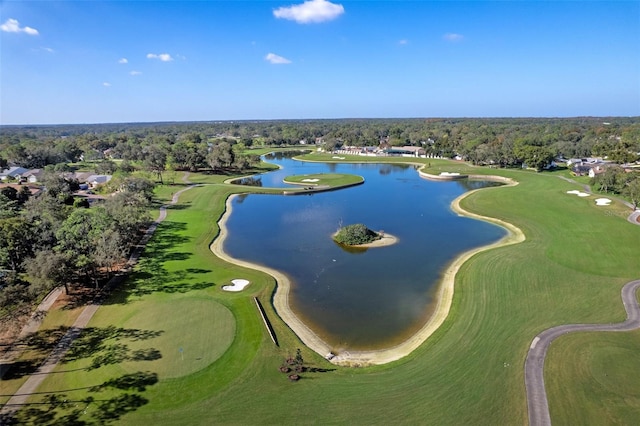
441,311
384,241
283,285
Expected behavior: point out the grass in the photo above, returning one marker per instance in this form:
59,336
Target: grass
570,269
333,180
596,369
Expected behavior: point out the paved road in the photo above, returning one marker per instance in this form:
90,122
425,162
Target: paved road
34,381
533,368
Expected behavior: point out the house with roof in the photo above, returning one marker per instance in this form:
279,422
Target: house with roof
596,170
33,175
13,173
95,180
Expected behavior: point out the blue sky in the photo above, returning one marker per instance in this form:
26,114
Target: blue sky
125,61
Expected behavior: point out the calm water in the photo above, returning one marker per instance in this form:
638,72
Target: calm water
358,299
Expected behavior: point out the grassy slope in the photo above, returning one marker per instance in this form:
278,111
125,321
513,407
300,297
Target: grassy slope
570,269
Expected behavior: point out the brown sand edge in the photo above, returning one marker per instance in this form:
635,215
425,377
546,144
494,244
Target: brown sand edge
281,297
384,241
382,356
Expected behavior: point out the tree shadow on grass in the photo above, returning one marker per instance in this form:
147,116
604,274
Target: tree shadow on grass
151,277
38,345
103,345
106,346
59,409
21,368
167,235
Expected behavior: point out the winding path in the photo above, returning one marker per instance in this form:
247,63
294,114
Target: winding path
534,365
35,379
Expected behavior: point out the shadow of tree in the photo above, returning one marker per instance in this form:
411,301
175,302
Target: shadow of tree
39,345
21,368
97,343
167,235
105,345
137,381
60,410
151,277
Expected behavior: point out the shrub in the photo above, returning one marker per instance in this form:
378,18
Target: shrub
355,234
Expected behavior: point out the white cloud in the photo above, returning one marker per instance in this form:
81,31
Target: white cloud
453,37
13,26
276,59
164,57
48,49
123,61
311,11
403,42
106,84
135,72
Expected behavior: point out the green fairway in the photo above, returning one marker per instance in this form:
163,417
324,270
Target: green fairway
570,269
333,180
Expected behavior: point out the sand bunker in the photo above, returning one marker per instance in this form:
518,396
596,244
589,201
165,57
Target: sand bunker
449,174
602,201
338,158
578,193
236,285
310,180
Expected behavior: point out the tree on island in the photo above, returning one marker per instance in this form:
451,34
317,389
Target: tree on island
355,234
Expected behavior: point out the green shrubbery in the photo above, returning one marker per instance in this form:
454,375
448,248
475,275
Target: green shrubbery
355,234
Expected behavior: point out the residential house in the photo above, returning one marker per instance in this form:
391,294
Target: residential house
33,175
95,180
13,173
596,170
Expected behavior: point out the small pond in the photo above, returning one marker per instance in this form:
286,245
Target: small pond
358,299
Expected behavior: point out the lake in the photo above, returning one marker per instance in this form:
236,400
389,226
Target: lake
355,298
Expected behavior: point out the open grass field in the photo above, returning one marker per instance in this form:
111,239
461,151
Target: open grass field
333,180
172,348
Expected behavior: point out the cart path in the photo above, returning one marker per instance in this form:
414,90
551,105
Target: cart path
30,327
537,403
22,395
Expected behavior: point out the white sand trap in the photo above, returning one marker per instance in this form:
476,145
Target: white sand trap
338,158
449,174
310,180
578,193
236,285
602,201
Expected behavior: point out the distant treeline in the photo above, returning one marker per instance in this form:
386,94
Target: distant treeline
501,141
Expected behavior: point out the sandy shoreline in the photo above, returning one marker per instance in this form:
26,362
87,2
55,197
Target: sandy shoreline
384,241
382,356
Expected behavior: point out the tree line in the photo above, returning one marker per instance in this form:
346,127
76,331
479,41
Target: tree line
53,238
188,146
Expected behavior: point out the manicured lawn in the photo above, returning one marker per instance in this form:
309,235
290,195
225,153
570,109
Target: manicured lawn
333,180
599,373
571,268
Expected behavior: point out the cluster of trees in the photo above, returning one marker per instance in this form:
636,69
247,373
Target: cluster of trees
616,181
356,234
51,239
218,145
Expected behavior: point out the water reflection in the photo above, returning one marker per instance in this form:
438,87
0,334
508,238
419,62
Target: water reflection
249,181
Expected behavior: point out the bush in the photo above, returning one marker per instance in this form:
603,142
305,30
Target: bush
355,235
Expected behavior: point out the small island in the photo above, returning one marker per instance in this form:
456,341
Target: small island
358,235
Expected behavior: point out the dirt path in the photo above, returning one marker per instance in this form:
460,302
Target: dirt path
33,382
31,326
534,365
